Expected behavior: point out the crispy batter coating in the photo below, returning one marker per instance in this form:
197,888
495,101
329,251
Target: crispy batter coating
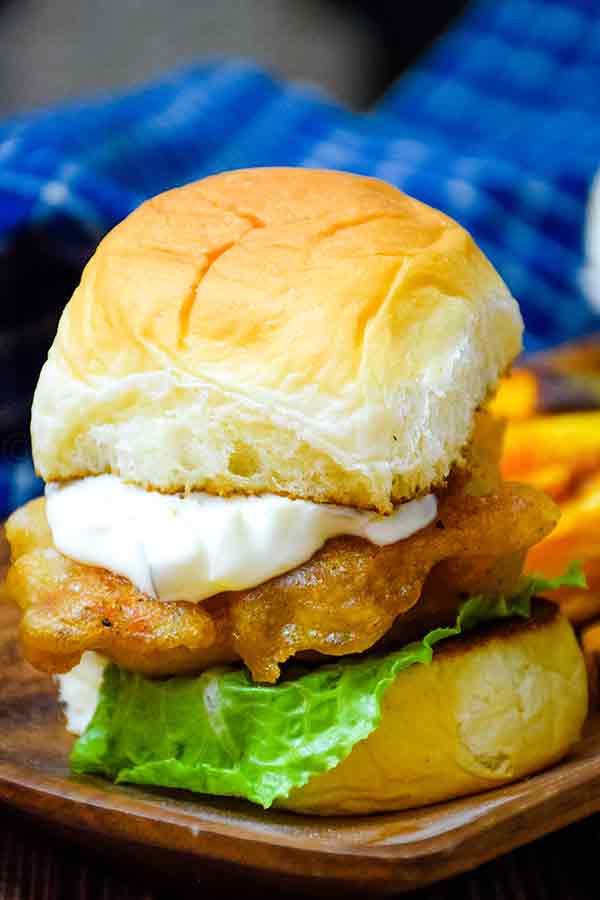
341,601
70,608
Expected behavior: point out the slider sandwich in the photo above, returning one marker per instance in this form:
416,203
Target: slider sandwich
275,558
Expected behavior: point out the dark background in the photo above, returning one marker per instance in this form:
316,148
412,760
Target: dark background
36,864
55,49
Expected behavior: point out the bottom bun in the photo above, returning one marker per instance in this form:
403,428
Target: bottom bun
494,705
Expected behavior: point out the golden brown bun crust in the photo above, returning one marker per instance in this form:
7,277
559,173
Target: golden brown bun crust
299,331
493,706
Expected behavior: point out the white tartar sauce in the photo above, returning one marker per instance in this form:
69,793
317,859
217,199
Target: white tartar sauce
190,547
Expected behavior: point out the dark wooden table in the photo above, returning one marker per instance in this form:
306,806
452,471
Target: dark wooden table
37,865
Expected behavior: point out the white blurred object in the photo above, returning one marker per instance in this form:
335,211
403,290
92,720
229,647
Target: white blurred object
590,276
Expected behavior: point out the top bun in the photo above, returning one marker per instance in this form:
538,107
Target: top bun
304,332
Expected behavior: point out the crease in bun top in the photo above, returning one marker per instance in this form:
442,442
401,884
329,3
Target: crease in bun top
263,433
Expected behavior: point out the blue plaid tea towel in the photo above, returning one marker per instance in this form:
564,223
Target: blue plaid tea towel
499,126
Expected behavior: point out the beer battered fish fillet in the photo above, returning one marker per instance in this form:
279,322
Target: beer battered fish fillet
342,601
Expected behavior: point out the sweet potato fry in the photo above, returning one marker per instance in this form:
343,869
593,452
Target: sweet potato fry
577,535
553,451
553,443
518,397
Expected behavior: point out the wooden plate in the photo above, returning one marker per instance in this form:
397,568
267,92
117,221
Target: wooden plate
216,839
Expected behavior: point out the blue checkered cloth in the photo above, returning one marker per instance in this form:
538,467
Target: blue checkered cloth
499,125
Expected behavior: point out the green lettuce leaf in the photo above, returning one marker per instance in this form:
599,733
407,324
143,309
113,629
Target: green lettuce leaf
573,577
220,733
